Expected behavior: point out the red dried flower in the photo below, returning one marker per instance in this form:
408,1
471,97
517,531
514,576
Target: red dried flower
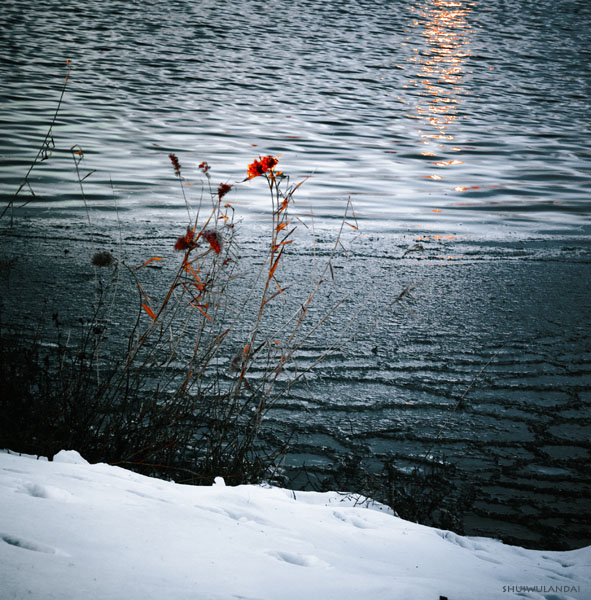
214,241
254,169
223,189
185,241
204,167
268,162
261,166
176,164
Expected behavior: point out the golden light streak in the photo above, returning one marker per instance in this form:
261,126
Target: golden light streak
439,70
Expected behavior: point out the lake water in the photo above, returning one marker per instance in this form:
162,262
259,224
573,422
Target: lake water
479,110
460,126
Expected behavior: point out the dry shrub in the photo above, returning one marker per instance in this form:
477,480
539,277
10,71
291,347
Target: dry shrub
205,362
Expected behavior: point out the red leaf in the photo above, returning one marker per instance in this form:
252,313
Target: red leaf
214,242
149,261
149,311
185,241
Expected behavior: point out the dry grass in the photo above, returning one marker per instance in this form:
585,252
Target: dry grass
205,361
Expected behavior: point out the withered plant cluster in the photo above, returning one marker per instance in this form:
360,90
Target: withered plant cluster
205,361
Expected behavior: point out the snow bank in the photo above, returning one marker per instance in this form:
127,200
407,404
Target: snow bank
71,530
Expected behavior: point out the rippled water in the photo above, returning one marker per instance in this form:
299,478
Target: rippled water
458,129
477,110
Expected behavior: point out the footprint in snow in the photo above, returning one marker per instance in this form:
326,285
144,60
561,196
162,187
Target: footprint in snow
483,555
48,492
241,516
353,520
480,551
148,496
560,561
300,560
18,542
462,542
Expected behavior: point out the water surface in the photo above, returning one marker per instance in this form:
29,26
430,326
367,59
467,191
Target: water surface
476,110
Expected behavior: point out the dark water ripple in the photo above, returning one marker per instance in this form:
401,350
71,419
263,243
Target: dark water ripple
405,106
402,384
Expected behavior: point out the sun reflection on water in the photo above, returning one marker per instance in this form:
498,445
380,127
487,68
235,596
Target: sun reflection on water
439,73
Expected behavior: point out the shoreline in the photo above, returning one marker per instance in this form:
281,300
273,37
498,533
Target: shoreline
523,433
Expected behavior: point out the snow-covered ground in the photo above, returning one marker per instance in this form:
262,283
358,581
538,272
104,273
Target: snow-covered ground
71,530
